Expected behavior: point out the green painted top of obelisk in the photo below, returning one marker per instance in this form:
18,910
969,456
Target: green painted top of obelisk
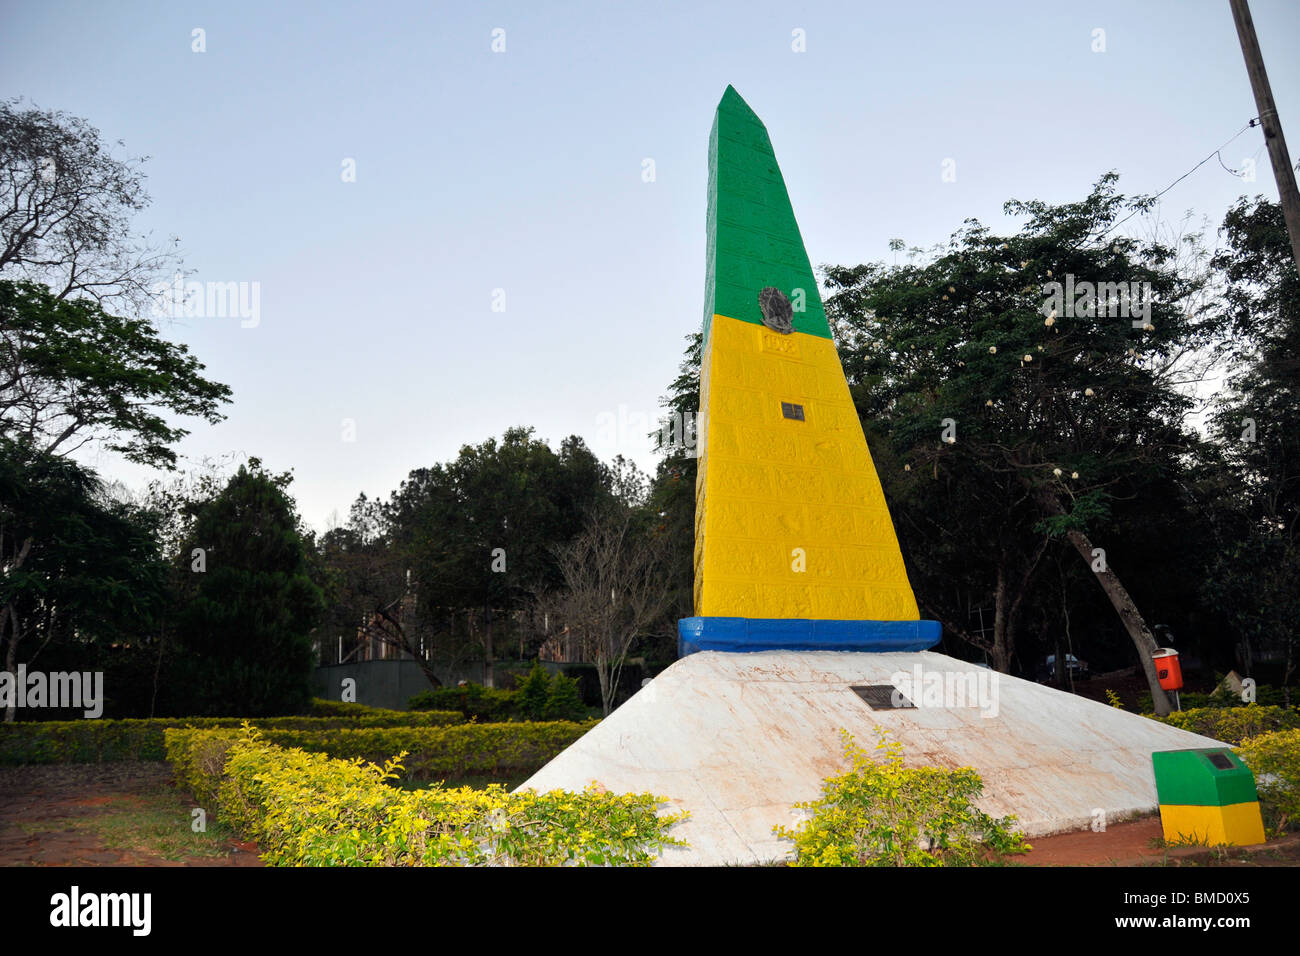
753,240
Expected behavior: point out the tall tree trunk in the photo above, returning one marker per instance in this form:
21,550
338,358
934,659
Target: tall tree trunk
489,678
1287,670
11,657
1128,613
1008,606
1244,660
9,617
1132,619
603,676
430,673
1001,647
157,672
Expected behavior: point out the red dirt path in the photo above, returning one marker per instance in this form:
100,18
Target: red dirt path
45,810
1131,843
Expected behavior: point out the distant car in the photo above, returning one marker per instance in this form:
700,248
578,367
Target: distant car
1074,667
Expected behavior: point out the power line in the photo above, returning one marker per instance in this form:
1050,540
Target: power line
1239,173
1217,152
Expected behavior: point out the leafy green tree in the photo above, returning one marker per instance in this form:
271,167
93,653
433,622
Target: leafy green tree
478,532
1255,577
71,373
369,593
672,493
79,569
474,540
1021,415
248,611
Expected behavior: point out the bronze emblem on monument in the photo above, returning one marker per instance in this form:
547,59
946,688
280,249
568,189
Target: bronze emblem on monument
776,309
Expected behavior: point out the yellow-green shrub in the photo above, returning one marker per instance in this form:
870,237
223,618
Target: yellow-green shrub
1275,760
881,813
96,741
198,758
306,809
1232,725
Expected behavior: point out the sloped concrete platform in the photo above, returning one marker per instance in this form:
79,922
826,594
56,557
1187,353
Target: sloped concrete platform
737,739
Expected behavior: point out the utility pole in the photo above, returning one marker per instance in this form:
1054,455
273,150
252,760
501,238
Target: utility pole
1268,119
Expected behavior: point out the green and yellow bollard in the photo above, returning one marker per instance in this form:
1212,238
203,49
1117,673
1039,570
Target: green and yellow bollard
1207,796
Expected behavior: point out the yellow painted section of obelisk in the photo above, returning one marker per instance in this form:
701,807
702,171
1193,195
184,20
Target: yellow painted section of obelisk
775,495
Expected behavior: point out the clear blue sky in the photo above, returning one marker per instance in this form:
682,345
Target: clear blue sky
522,171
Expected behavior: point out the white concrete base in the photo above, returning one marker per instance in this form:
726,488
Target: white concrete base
737,739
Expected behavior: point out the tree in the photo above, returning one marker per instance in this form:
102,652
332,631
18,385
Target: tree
563,700
77,566
477,532
1256,574
533,692
247,613
71,373
672,493
368,587
66,206
613,573
1025,383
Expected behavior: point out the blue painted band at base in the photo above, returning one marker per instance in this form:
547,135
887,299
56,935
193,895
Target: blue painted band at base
798,634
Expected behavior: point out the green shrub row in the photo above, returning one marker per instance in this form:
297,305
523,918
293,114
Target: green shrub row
320,707
472,701
539,696
1232,725
307,809
97,741
1265,695
546,696
433,752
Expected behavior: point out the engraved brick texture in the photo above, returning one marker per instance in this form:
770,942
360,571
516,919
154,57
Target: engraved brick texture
791,520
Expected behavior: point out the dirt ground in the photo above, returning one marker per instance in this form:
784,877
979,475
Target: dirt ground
110,814
129,814
1138,843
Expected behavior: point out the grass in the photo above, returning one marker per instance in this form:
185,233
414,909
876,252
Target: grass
1184,840
1285,853
156,824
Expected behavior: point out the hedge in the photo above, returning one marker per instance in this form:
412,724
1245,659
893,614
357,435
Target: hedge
320,707
1275,760
307,809
433,751
97,741
1265,695
474,701
539,696
1232,725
